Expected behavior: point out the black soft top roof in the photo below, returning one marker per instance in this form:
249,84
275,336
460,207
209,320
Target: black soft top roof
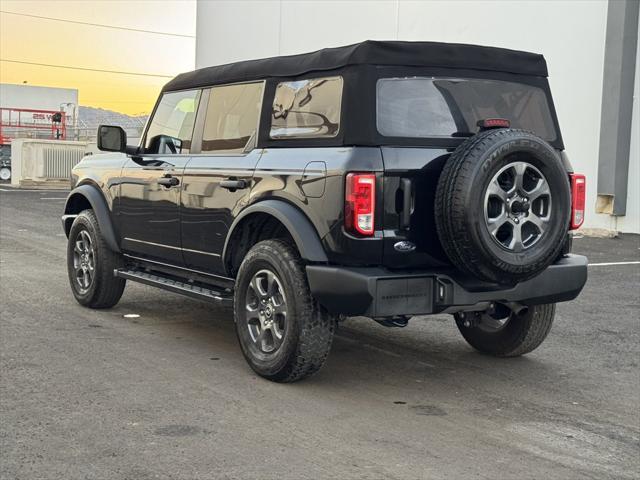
370,52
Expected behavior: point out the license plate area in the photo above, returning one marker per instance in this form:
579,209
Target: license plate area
404,296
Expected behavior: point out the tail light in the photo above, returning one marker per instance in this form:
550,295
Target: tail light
578,195
360,200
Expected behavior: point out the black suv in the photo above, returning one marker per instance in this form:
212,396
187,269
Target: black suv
382,179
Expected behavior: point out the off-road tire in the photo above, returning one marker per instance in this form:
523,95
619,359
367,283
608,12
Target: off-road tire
522,333
106,289
460,198
309,328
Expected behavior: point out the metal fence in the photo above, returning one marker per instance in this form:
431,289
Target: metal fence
89,134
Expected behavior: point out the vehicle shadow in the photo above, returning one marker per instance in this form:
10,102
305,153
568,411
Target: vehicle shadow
430,350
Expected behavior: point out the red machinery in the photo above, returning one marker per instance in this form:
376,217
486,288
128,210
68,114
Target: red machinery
29,123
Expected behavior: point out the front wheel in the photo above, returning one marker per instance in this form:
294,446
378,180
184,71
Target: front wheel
508,335
90,264
283,332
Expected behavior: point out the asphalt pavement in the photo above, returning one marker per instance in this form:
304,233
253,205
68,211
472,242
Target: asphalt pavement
103,395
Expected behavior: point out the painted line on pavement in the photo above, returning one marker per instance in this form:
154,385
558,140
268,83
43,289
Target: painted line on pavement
30,190
609,264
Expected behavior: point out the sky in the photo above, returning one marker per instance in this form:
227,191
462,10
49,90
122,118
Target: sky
159,56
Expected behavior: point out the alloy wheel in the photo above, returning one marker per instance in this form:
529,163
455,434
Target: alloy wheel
517,206
83,261
266,311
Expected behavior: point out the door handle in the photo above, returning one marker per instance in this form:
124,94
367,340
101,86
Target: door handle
406,187
234,185
168,181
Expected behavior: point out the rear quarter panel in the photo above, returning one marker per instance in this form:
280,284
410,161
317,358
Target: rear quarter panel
312,179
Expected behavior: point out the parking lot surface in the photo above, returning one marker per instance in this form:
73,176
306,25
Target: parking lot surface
99,395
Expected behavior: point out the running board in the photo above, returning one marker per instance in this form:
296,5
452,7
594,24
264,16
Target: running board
175,286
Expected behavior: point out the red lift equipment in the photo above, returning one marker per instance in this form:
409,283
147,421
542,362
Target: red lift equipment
30,123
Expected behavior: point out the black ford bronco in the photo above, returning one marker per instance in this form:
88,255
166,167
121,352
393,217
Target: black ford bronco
382,179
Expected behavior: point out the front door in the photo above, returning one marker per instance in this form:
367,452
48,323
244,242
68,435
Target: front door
217,181
147,208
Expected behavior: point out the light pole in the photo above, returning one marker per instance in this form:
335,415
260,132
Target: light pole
74,119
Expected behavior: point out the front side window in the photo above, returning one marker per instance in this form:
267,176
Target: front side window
232,118
171,127
451,107
307,108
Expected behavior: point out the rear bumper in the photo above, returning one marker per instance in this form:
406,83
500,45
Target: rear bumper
377,292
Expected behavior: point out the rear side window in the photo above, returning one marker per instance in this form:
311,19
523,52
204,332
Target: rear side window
307,108
171,128
232,117
451,107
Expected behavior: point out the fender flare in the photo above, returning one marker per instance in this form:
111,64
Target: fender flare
298,225
99,206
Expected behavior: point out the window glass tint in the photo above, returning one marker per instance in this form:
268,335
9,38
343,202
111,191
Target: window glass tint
451,107
307,108
232,117
171,127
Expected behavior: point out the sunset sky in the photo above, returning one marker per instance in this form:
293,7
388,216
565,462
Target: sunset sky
25,38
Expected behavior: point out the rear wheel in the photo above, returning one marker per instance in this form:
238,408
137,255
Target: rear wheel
283,332
90,264
509,335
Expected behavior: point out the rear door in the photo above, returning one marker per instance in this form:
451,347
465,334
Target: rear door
217,181
147,209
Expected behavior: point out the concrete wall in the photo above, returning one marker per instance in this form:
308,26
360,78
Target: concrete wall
570,34
36,162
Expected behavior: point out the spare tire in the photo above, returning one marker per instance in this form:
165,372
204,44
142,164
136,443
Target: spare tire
503,205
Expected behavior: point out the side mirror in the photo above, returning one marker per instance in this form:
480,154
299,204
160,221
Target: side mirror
112,139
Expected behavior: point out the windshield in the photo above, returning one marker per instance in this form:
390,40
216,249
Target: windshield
451,107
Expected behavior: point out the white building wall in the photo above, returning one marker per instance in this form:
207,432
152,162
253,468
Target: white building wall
631,221
37,98
569,33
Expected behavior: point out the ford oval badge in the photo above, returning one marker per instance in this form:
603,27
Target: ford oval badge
404,246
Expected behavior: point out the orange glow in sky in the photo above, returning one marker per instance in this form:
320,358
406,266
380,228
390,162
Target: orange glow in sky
38,40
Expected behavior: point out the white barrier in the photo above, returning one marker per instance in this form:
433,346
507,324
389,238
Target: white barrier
44,161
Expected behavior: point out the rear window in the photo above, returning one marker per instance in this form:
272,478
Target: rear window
451,107
307,108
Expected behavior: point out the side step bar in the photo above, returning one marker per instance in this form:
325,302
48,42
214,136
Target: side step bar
176,286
